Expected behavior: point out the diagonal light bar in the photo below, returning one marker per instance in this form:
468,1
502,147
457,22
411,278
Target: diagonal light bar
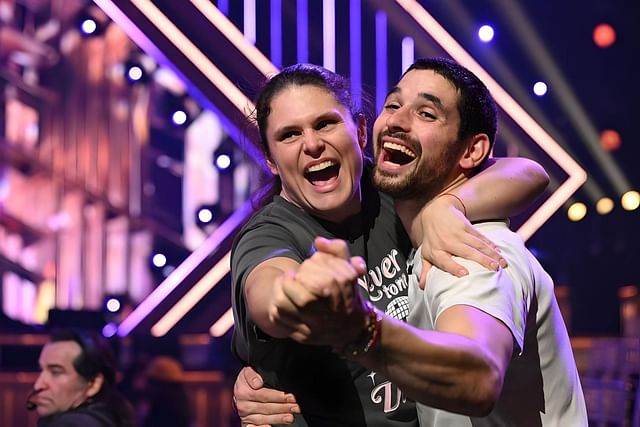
577,175
222,325
231,32
191,298
195,55
218,79
183,270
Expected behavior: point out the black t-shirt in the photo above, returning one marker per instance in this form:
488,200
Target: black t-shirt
331,391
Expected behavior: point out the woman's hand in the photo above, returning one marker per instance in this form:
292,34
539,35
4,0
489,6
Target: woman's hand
448,233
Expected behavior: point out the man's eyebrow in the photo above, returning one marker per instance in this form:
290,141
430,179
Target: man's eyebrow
55,366
432,98
393,90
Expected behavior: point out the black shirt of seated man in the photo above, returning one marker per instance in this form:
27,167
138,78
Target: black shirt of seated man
331,391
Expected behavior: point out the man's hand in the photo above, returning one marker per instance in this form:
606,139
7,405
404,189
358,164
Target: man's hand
258,406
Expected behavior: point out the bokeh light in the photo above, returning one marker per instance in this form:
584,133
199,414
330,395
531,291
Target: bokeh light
604,35
577,211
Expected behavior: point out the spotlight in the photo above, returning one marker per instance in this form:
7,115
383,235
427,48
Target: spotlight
577,211
604,35
113,305
610,140
159,260
486,33
540,88
179,117
138,67
91,21
88,26
630,200
223,157
604,206
207,214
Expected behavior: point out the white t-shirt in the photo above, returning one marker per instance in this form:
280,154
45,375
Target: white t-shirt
541,385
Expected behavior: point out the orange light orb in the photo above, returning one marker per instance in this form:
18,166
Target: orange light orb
604,35
610,140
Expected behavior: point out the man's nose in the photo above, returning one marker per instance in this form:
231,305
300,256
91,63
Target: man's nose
40,382
399,120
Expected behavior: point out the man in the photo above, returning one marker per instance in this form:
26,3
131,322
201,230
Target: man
76,385
492,348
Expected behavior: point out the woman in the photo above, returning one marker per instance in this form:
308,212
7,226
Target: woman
314,143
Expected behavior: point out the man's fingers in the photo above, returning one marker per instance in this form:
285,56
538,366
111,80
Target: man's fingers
251,377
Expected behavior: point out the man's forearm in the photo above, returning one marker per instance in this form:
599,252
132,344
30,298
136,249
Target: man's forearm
441,370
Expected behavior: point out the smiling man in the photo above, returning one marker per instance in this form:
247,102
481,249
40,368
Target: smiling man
486,349
76,385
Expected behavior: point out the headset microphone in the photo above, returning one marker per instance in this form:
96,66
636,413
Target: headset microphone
30,405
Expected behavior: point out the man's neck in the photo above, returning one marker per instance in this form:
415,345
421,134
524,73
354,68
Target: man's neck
409,210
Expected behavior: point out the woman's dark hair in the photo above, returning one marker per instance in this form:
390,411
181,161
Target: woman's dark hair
294,75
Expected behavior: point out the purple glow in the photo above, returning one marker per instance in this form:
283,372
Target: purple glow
276,33
184,269
302,25
223,5
407,53
381,59
355,52
109,330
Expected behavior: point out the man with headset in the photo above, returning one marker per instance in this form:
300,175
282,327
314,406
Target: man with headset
76,385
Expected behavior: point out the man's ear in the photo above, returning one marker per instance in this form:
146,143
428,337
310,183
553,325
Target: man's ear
477,150
95,385
272,167
362,131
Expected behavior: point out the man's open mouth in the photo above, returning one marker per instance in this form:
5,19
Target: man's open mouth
397,154
322,173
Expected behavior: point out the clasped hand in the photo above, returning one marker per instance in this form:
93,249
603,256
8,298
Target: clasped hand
319,301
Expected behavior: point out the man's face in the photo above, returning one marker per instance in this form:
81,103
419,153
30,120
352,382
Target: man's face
62,388
416,137
316,149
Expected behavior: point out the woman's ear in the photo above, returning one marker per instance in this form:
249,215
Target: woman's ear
95,385
272,167
362,131
477,150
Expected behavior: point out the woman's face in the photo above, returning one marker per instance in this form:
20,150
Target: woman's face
316,149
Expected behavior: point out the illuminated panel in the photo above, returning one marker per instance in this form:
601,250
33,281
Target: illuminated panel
302,30
355,52
577,175
381,59
191,298
222,325
183,270
276,33
249,20
329,34
234,35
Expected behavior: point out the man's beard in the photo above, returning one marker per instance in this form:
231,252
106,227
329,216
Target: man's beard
425,181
